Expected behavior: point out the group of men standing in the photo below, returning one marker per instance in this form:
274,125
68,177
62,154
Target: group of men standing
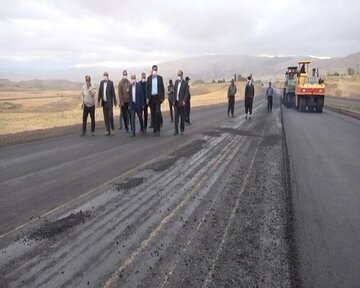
249,97
134,99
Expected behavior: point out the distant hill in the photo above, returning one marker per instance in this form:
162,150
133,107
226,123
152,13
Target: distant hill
6,84
206,68
216,67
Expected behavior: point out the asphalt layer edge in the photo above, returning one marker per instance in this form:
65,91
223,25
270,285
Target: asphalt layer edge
290,217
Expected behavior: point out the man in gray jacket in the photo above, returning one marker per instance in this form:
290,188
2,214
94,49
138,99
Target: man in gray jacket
88,105
181,90
231,98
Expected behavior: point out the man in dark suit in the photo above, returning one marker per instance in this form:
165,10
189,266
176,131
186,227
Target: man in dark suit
249,97
145,110
187,104
107,99
155,94
136,104
181,90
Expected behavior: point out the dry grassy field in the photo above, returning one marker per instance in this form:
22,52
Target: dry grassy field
343,86
29,110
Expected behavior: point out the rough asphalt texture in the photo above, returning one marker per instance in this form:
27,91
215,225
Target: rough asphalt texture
209,212
207,209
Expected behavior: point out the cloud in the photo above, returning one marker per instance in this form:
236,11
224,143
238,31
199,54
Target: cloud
59,34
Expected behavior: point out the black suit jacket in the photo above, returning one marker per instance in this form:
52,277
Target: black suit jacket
161,88
249,92
110,93
184,91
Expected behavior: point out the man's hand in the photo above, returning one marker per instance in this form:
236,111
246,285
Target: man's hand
183,103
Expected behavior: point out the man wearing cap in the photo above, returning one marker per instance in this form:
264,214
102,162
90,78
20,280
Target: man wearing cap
249,97
181,90
187,103
231,98
107,99
155,92
88,105
123,88
136,104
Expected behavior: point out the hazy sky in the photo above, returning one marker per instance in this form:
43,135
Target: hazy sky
64,34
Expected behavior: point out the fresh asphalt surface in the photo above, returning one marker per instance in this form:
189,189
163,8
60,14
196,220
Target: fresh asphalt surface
207,209
324,154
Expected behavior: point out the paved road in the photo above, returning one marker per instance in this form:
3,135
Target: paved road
39,176
208,211
324,154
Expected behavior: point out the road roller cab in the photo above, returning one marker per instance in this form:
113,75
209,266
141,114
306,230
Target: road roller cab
310,89
290,86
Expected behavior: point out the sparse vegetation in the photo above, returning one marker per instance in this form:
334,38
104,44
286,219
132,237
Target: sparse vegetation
350,71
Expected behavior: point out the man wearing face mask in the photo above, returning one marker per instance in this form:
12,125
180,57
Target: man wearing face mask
181,90
88,105
136,104
155,93
123,88
145,110
107,99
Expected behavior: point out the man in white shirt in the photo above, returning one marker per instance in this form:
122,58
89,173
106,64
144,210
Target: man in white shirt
88,105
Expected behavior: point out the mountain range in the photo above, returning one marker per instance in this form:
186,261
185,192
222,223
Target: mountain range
205,68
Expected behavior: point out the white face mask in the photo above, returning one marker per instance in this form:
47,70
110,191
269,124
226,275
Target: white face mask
154,73
179,78
143,80
125,77
133,81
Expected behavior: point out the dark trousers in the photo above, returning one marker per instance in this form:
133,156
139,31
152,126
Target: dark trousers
231,105
179,112
270,102
145,118
108,116
133,113
187,111
156,117
248,107
86,112
126,115
151,116
171,106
